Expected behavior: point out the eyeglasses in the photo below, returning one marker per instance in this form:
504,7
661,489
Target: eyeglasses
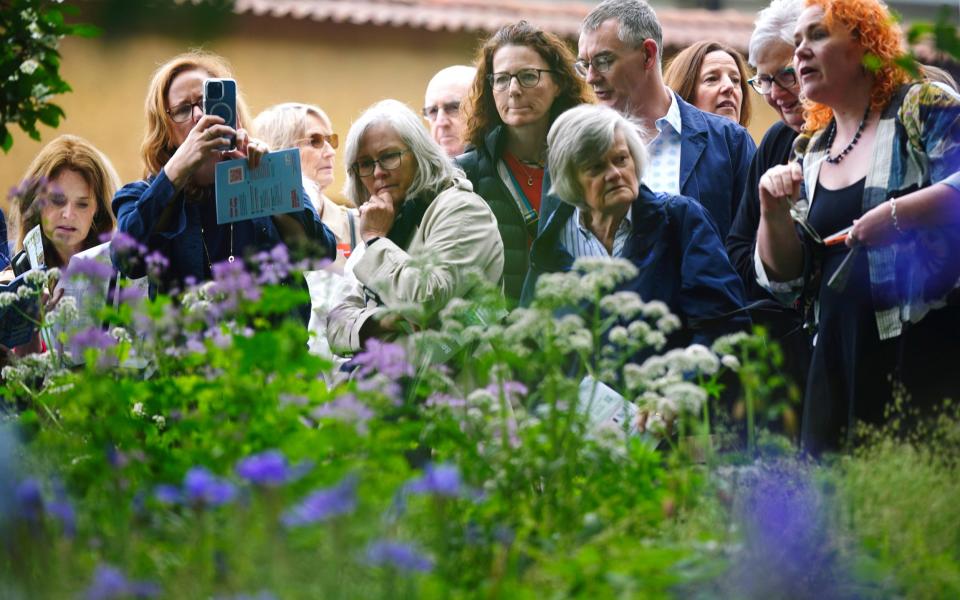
182,113
451,109
600,64
317,140
388,161
786,78
527,78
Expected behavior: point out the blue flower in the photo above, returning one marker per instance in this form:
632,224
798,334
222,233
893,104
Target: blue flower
110,582
62,510
397,555
324,504
440,480
270,469
167,494
200,487
30,500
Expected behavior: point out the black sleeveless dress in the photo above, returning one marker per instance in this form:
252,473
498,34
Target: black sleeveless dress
852,371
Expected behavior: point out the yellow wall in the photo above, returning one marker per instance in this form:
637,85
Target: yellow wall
341,68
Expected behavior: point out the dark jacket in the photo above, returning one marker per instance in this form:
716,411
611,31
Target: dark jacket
139,205
715,154
480,166
676,248
4,250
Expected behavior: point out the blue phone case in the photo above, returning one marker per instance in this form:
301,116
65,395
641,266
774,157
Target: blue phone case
220,99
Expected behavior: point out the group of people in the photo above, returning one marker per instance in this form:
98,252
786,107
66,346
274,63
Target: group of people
535,157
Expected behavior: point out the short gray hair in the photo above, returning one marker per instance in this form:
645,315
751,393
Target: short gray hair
282,125
636,19
775,23
435,171
581,135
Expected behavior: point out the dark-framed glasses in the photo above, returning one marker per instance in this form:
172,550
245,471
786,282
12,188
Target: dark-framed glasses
388,161
786,78
182,113
527,78
600,64
317,140
451,109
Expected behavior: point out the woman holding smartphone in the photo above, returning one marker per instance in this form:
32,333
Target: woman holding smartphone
173,209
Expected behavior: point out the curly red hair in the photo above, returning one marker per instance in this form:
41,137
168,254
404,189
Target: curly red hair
879,35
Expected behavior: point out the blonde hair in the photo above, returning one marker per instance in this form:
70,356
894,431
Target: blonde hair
158,145
282,125
76,154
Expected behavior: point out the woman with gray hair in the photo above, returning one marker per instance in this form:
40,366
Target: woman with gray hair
771,52
597,161
422,226
307,128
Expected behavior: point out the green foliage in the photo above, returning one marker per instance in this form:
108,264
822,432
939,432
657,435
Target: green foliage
487,464
30,64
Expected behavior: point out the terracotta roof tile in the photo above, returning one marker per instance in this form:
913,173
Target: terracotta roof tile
680,27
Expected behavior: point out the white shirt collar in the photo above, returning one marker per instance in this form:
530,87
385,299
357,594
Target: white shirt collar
673,115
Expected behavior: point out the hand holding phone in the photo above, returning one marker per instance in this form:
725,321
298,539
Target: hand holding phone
220,99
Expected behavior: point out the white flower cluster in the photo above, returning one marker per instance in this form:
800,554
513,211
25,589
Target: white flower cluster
662,383
26,371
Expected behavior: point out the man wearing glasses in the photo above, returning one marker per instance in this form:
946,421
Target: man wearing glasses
692,153
441,107
771,52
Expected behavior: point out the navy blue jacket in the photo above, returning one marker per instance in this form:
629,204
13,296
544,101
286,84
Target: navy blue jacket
715,155
680,258
139,206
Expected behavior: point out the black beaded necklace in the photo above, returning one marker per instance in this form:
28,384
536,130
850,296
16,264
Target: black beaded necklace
853,142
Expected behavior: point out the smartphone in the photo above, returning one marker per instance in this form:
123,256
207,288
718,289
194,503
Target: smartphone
220,99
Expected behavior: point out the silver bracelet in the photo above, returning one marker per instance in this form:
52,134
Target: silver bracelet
893,215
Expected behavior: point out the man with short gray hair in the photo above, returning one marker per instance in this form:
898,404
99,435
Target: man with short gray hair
692,153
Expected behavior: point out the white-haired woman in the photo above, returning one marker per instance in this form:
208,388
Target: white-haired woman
422,225
308,128
597,161
771,52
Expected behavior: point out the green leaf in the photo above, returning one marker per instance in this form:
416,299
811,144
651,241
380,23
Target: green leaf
86,30
49,114
872,62
6,140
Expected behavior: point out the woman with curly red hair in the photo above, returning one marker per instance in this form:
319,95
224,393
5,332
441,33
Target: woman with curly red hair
877,167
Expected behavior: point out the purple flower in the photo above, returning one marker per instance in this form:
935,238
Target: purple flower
274,266
90,268
397,555
346,408
440,399
92,337
167,494
131,293
157,263
323,504
110,582
270,469
201,488
30,500
441,480
383,358
62,510
123,244
512,390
